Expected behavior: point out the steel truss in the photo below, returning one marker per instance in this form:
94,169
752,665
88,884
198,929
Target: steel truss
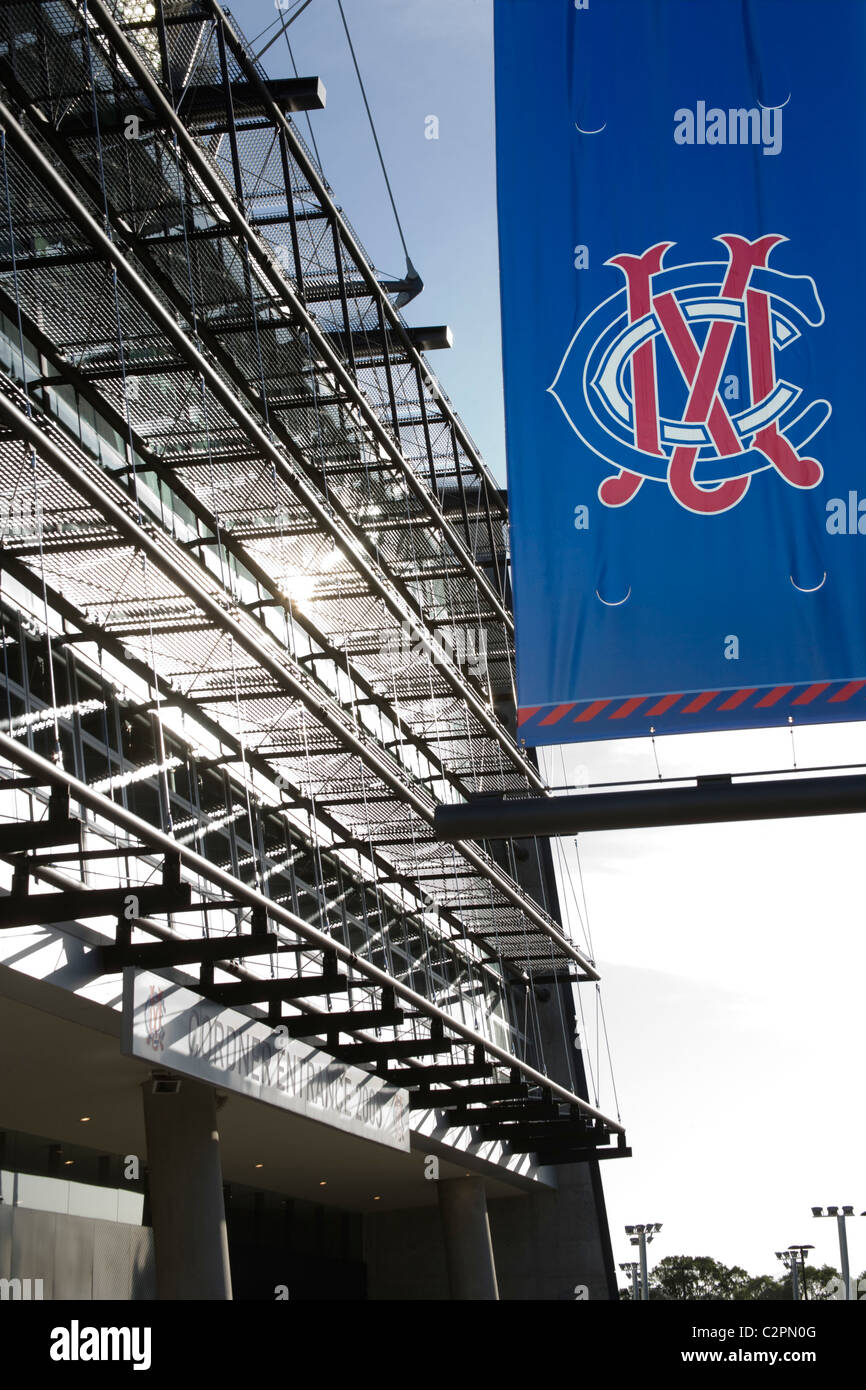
270,512
541,1116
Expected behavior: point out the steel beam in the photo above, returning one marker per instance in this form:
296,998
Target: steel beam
395,1048
458,1098
289,93
40,909
346,1021
711,801
525,1136
371,343
38,834
159,955
267,991
495,1114
427,1076
554,1157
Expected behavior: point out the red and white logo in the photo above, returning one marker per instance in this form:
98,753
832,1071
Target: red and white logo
670,335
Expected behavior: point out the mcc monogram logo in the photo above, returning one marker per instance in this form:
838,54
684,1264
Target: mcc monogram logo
655,401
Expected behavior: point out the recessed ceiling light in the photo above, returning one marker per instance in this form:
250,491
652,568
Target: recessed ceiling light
85,1119
260,1165
323,1183
68,1162
377,1199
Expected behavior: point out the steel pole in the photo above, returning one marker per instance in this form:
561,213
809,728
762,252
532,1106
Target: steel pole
795,1281
644,1276
635,1291
843,1255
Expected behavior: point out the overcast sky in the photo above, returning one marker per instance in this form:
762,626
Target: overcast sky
733,957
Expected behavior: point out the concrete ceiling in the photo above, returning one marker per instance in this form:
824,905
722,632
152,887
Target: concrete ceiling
62,1060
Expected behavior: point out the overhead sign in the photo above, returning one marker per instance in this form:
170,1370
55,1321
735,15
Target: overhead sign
681,224
172,1027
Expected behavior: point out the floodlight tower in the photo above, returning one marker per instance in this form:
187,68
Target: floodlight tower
790,1264
642,1235
841,1214
632,1267
794,1259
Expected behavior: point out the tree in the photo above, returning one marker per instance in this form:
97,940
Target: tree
760,1289
699,1278
823,1284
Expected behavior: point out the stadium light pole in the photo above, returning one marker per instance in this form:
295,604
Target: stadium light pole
632,1267
794,1259
841,1214
801,1251
790,1263
642,1235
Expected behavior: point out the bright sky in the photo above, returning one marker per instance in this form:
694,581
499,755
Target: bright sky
733,957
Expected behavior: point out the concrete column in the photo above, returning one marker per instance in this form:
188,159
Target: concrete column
468,1247
186,1193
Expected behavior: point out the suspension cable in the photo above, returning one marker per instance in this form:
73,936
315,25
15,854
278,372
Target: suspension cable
409,265
291,19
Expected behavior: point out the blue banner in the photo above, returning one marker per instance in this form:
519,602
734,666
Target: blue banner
683,281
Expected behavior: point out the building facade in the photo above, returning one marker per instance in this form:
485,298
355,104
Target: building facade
266,1036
